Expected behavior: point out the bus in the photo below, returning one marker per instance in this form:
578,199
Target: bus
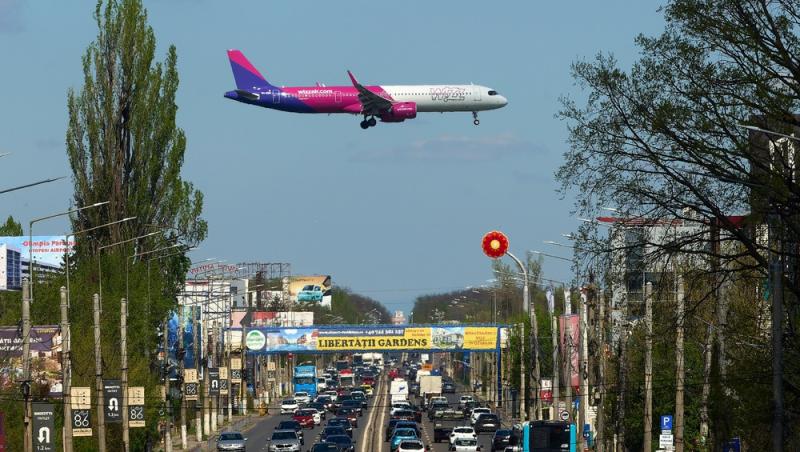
548,436
342,364
305,379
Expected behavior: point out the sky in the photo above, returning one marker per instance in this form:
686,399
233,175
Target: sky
391,212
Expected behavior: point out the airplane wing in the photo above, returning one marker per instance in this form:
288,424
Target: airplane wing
371,103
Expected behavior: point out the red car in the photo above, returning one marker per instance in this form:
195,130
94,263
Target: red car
304,417
368,380
393,374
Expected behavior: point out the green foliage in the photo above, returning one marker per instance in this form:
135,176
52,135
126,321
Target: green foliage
11,228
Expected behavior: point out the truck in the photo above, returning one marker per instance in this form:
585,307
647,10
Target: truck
398,389
421,373
430,385
358,359
347,378
373,359
305,379
342,364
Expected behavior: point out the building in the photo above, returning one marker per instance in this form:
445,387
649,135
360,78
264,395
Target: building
398,318
10,268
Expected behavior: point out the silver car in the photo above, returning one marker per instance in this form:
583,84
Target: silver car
231,441
284,441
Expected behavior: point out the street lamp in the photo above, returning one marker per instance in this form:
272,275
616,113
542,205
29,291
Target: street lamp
30,236
20,187
100,258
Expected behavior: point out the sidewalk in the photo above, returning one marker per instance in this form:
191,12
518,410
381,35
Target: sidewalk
241,424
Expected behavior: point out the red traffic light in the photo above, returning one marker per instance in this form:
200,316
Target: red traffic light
494,244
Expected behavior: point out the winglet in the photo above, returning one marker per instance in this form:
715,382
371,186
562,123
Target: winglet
353,79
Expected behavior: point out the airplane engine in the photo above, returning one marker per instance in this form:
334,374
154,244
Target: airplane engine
400,112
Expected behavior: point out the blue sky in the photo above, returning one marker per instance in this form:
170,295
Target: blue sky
392,212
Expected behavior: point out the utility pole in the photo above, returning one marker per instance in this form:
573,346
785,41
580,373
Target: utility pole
556,379
26,360
65,369
623,378
648,367
569,351
123,345
583,368
197,404
206,385
181,367
601,417
98,377
167,401
679,371
212,361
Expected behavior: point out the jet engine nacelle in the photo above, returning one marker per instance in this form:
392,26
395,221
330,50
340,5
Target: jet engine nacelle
400,112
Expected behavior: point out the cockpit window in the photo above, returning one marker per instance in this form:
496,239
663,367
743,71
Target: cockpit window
492,92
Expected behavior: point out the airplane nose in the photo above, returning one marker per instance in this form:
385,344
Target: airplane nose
503,101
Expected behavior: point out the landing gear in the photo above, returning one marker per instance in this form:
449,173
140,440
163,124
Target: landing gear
367,123
475,121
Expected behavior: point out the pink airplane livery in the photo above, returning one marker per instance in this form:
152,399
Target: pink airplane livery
388,103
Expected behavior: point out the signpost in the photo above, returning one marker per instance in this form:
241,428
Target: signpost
81,402
666,440
44,427
136,406
112,394
223,381
236,370
191,391
213,381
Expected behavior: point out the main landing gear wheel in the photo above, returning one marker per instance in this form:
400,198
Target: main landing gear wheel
475,121
364,124
367,123
372,122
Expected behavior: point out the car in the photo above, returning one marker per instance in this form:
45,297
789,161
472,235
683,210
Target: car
310,292
406,414
292,425
411,445
399,405
320,408
401,424
487,422
368,391
324,447
501,439
462,401
400,435
448,388
325,400
341,422
441,433
469,406
465,445
332,431
354,405
477,412
289,406
306,417
413,388
462,431
332,393
231,441
284,440
349,414
361,397
343,442
302,397
448,414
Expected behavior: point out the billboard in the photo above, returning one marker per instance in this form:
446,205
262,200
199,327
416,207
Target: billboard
366,338
48,254
311,289
271,318
188,338
570,341
45,351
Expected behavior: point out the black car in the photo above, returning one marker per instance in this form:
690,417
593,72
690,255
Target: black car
332,431
361,398
292,425
501,439
353,405
407,415
324,447
343,442
320,407
486,422
400,423
441,433
448,388
343,423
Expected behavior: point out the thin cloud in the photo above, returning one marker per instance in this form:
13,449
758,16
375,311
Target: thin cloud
10,16
453,148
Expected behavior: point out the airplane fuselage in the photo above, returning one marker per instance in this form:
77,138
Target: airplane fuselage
344,99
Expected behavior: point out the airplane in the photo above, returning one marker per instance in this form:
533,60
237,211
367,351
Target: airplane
388,103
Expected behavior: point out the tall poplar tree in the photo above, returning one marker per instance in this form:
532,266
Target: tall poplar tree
122,139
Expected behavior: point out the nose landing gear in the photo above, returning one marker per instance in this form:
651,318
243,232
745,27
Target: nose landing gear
475,121
367,123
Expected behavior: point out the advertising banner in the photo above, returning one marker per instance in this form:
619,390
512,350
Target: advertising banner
570,341
367,338
546,393
311,289
45,342
136,407
80,400
112,396
271,318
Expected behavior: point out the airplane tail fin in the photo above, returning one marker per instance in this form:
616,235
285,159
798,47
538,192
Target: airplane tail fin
246,75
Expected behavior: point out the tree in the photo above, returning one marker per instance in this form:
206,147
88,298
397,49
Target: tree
122,139
11,228
664,140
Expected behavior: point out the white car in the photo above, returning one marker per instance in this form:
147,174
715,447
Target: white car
302,397
289,406
477,412
462,432
399,405
465,445
410,445
465,399
332,394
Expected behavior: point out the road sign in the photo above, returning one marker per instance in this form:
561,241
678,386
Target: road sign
665,440
213,381
732,445
223,387
44,427
112,401
136,406
564,415
191,391
190,375
666,422
81,403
